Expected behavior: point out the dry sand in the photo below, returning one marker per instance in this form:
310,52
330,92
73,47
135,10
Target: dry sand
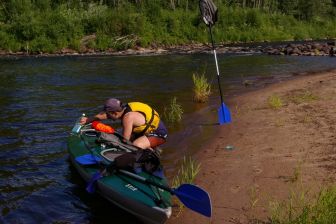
274,150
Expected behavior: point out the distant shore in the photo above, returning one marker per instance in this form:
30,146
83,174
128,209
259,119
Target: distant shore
294,48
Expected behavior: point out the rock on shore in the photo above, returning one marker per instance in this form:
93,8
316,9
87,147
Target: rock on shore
304,49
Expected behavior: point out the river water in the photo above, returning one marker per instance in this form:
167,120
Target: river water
42,97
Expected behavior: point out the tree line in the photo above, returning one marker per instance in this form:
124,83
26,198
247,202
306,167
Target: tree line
36,26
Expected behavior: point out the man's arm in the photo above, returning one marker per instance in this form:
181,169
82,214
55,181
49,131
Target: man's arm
101,116
127,125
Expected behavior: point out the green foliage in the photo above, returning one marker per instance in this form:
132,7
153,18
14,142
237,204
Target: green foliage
103,42
8,42
253,18
93,16
41,44
50,25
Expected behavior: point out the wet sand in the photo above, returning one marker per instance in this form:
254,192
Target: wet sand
274,150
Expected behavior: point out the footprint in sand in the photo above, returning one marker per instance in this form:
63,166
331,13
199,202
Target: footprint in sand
235,189
257,170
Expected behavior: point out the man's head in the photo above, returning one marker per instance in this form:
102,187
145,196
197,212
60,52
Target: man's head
113,108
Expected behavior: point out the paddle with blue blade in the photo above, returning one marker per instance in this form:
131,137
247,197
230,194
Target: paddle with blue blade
209,15
88,159
91,187
193,197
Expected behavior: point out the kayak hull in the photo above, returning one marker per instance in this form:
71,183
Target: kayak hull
135,197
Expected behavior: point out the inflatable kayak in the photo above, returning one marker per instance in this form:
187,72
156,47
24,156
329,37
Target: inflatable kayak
141,193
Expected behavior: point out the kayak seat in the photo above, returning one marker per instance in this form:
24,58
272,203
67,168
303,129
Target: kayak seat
111,154
113,140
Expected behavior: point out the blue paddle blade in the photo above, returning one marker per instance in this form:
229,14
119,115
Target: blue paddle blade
195,198
88,159
224,115
91,187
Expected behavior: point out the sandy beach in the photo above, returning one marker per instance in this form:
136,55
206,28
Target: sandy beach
275,150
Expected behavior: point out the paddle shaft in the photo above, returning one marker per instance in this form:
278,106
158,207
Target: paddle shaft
144,180
217,69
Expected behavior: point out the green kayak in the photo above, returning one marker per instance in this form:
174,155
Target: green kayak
125,189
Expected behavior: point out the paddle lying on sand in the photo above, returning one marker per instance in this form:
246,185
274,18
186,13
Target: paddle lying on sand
209,14
193,197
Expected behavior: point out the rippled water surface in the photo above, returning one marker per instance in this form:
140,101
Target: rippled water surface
42,97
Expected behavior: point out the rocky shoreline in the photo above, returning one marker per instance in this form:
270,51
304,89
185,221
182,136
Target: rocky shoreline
305,48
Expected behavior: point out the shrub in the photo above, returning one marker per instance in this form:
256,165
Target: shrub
253,18
41,44
8,42
103,42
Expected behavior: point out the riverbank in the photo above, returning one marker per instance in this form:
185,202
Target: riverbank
292,48
276,151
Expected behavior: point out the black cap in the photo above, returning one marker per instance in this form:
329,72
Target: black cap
113,105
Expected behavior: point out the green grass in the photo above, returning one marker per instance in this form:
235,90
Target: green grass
303,97
186,175
187,172
174,112
297,173
304,207
202,88
298,209
275,102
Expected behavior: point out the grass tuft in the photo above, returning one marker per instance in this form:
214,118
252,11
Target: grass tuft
303,206
275,102
298,209
186,174
174,112
202,88
304,97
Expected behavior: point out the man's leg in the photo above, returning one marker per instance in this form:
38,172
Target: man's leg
142,142
148,142
155,141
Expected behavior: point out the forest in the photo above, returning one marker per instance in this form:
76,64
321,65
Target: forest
48,26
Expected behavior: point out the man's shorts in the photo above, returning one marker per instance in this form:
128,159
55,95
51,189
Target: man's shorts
160,132
159,136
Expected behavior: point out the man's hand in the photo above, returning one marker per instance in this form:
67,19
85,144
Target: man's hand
83,120
100,116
